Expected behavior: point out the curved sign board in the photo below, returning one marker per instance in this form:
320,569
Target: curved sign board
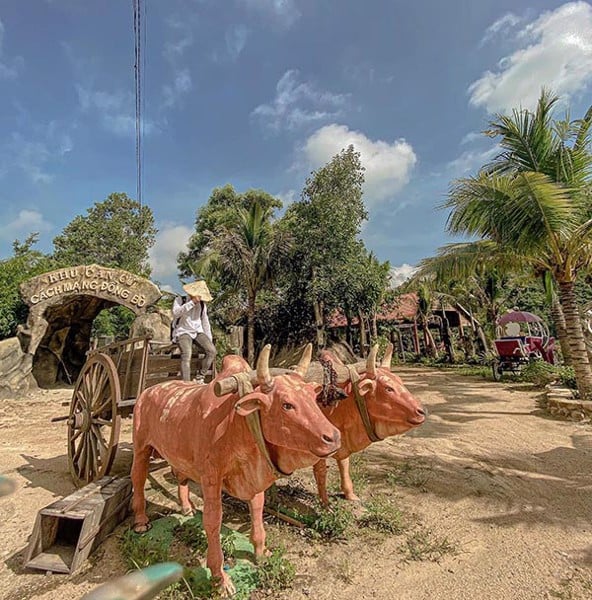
115,285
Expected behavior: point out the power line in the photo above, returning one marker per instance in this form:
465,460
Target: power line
139,32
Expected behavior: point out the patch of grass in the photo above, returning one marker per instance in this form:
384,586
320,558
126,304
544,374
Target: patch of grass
344,571
183,539
422,544
541,373
410,475
383,516
275,572
141,551
229,544
192,534
326,524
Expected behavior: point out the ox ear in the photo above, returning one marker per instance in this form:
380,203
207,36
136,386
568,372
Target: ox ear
366,386
252,402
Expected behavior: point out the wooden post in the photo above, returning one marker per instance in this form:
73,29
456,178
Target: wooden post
415,337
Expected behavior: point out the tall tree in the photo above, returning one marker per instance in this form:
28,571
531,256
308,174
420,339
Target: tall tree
245,256
325,224
117,232
535,201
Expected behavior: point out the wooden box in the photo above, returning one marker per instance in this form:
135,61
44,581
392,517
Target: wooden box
67,531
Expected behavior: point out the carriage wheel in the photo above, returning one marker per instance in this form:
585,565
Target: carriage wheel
93,424
496,367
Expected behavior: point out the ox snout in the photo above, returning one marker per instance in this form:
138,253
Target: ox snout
330,442
419,417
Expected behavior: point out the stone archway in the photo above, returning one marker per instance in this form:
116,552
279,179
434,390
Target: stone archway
63,305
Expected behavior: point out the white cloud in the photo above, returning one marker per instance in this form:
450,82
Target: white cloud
503,25
170,240
399,275
554,51
25,223
287,197
282,13
236,39
470,161
116,110
9,68
33,153
182,39
296,104
182,84
388,165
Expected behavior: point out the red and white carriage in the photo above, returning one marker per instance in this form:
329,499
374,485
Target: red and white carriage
521,337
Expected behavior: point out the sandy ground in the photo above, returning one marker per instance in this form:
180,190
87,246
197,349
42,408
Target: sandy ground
508,486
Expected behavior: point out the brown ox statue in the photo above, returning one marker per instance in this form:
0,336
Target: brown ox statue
207,439
389,409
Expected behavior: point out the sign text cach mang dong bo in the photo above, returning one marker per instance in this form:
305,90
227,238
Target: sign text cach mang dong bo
93,280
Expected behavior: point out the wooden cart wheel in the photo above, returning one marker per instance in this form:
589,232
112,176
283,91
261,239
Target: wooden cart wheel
93,424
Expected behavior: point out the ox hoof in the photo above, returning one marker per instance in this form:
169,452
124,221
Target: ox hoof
188,512
142,527
226,586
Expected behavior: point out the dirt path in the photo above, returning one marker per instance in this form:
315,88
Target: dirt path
509,488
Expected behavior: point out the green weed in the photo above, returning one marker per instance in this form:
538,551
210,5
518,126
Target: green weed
410,475
422,544
383,516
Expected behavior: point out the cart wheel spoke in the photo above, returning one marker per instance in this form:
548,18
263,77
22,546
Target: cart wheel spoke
93,427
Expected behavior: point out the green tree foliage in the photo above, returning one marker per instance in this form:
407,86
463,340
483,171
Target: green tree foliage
25,263
117,232
246,254
325,224
221,210
534,202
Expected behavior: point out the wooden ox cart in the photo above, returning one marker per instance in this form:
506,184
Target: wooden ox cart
111,379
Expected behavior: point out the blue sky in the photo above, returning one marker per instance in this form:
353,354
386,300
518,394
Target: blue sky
258,93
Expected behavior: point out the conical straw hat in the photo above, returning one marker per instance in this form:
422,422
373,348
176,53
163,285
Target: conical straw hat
198,289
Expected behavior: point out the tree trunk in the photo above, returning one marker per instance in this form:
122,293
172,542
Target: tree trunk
561,329
447,339
374,326
428,339
319,323
575,337
349,338
251,332
363,336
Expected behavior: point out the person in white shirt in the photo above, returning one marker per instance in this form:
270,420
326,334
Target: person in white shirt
192,327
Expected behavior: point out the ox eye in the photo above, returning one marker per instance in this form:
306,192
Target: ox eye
288,406
388,388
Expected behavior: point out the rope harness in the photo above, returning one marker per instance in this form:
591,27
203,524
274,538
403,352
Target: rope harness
254,422
361,404
331,393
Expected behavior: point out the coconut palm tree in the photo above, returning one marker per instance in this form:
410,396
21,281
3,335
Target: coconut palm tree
535,201
246,257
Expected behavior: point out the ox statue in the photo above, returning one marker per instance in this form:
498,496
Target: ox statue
377,406
211,440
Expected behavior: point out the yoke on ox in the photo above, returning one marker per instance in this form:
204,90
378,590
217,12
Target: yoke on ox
207,439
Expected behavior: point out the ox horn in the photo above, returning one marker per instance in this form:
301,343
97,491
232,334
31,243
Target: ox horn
263,375
388,356
304,362
371,363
